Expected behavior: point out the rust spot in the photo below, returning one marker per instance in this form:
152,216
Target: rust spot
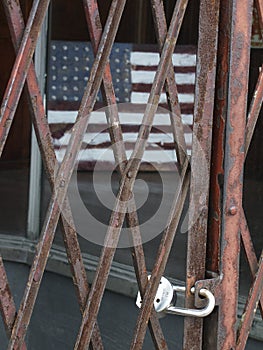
37,275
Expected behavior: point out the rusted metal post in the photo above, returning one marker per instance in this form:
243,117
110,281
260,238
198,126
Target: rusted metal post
200,163
217,167
241,14
217,161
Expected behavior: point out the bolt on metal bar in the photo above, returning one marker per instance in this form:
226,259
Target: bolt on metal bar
254,110
200,163
95,29
170,84
250,252
20,69
117,217
7,304
64,174
241,22
251,306
16,26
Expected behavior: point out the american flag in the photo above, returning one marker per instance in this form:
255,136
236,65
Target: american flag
133,68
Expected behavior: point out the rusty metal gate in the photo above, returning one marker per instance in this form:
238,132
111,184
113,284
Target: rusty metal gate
222,131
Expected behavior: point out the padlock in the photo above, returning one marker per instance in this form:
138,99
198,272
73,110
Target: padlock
165,300
165,296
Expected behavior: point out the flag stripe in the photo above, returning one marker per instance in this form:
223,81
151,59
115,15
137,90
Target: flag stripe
142,97
147,77
152,59
183,88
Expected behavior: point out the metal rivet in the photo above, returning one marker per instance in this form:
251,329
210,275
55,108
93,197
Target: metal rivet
233,210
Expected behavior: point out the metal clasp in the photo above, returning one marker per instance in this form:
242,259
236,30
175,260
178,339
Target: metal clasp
165,300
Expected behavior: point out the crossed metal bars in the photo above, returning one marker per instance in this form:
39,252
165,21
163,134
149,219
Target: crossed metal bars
45,153
102,42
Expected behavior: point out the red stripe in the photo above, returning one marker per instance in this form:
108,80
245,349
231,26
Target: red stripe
129,146
177,69
185,89
189,49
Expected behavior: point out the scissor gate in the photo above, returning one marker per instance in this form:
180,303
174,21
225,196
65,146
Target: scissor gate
222,131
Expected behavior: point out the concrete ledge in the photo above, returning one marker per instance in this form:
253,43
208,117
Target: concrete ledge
122,278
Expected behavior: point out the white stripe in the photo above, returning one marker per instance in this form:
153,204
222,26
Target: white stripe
147,77
99,138
152,59
142,97
69,117
61,117
106,155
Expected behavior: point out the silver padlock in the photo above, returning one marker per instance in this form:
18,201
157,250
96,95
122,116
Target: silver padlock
165,299
165,296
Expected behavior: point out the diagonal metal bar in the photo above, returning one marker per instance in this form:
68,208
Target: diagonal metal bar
250,309
200,163
16,25
241,21
254,110
20,69
95,29
118,214
7,304
64,174
170,84
250,252
253,115
161,259
259,6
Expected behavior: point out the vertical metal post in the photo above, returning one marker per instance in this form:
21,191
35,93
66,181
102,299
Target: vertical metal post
34,199
217,167
200,163
241,14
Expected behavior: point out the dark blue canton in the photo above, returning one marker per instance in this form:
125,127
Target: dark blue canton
69,68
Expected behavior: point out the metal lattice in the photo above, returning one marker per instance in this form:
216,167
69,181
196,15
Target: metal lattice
222,65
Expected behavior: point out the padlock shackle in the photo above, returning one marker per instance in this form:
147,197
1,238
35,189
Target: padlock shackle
163,300
174,310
